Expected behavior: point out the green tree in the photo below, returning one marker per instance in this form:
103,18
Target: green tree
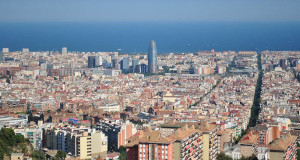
9,141
253,157
222,156
298,154
20,138
38,155
60,155
123,153
255,109
23,148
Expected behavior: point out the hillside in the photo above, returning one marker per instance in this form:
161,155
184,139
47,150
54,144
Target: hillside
12,143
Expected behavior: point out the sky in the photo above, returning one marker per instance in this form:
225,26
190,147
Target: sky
148,10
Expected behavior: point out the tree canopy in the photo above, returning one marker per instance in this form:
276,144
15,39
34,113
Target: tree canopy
9,140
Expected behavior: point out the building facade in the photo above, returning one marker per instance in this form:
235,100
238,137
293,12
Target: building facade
284,148
117,133
91,62
152,58
83,143
64,50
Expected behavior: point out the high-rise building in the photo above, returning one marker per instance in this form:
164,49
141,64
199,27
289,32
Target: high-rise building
152,58
125,65
33,134
166,143
64,51
83,143
25,50
98,61
144,68
284,147
1,57
91,62
5,50
117,132
114,63
135,63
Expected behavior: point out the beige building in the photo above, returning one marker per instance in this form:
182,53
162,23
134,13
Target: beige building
210,146
284,148
19,156
90,145
82,143
249,144
188,144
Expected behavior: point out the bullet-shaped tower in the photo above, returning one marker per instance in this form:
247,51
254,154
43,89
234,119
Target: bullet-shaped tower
152,57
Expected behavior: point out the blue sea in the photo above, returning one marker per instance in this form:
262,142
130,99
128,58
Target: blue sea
134,37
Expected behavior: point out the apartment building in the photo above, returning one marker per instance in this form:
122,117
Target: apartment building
284,148
188,144
175,141
248,144
117,132
210,146
152,146
90,145
33,133
83,143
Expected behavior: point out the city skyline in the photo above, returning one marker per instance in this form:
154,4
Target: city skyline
86,80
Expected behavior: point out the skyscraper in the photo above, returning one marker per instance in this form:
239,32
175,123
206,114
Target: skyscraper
64,50
1,57
91,62
135,63
5,50
125,65
25,50
152,58
98,61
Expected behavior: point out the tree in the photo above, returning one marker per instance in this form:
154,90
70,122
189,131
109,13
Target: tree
38,155
255,109
298,154
223,156
123,154
20,138
10,141
253,157
7,135
60,155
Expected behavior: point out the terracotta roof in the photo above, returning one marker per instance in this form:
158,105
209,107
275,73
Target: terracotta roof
249,138
184,132
153,136
281,144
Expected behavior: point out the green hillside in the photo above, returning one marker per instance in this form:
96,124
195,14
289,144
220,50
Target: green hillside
12,143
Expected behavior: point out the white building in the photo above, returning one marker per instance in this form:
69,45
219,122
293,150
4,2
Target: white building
64,51
98,61
25,50
5,50
7,121
33,133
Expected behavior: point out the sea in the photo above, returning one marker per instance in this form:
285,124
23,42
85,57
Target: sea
134,37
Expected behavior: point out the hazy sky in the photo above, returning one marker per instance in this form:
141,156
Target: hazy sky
148,10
